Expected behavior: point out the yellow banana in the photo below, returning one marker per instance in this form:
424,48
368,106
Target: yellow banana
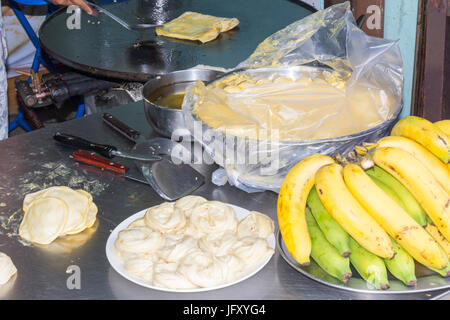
429,160
444,125
393,218
434,232
420,182
292,204
425,133
347,211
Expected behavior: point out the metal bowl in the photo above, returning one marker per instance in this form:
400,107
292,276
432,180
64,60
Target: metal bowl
166,121
290,152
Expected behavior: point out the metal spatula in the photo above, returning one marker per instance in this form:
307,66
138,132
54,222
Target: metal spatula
132,27
170,180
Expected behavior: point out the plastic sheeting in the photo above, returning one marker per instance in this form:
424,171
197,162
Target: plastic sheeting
356,82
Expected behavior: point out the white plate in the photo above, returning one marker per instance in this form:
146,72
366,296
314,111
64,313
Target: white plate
117,264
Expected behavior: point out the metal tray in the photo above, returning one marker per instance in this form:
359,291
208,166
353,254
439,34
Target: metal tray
426,279
104,48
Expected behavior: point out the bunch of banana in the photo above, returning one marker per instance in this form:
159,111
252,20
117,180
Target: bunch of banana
378,211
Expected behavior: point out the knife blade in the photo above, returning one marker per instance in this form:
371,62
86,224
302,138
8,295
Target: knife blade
105,150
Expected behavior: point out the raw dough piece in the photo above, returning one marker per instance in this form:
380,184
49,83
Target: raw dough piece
255,225
30,197
235,266
188,203
91,216
176,251
218,244
196,26
78,204
7,268
141,267
165,275
138,223
44,220
313,107
165,218
253,251
139,240
193,243
212,217
203,269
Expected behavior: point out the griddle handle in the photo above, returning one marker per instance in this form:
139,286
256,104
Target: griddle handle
80,143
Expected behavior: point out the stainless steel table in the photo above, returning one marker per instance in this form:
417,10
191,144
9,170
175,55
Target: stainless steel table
33,161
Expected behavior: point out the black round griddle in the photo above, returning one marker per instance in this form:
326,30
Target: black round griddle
103,47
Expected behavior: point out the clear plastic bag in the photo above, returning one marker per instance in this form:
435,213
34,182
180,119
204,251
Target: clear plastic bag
320,85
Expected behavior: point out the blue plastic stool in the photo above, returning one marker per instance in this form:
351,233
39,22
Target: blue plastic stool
40,57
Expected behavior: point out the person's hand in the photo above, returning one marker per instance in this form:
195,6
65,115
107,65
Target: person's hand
83,5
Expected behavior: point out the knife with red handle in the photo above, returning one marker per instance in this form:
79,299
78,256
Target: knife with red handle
107,164
99,162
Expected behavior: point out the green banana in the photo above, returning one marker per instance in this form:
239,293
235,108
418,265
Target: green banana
326,256
332,231
443,272
369,266
389,191
402,266
410,204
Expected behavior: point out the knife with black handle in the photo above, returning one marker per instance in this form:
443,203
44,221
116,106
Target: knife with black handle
102,149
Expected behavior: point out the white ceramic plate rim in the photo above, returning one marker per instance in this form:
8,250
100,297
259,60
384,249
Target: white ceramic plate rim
117,264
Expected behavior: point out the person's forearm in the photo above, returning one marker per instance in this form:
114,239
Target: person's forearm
83,5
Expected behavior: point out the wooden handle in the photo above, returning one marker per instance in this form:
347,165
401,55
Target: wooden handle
121,127
99,162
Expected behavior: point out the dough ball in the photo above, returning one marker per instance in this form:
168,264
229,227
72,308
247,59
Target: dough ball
234,264
141,267
255,225
252,251
165,218
203,269
44,220
174,251
138,223
218,244
165,275
139,240
7,268
212,217
188,203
